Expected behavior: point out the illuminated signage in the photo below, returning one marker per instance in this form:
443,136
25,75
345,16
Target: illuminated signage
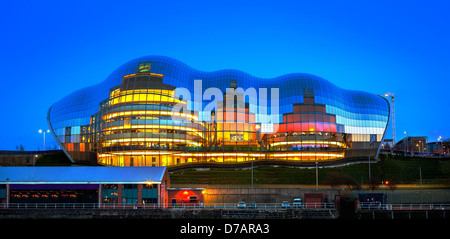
144,67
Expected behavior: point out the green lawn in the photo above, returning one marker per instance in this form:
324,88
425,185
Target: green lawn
396,169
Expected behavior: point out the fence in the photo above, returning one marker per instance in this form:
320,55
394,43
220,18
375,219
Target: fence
50,206
360,206
403,206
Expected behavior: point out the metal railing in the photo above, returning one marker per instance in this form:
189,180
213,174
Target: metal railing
49,206
309,206
403,206
80,206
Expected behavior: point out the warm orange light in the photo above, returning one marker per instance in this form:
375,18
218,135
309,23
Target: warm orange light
387,182
109,142
185,192
149,112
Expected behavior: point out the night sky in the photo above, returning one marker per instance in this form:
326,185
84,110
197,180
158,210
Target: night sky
50,49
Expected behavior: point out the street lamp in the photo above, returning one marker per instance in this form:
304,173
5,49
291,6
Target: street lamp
43,132
34,159
252,173
317,176
442,145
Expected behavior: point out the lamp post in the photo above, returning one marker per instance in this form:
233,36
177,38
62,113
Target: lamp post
258,137
420,177
442,145
369,169
252,173
43,132
372,141
317,176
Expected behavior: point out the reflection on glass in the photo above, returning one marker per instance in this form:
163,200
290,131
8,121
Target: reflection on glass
127,120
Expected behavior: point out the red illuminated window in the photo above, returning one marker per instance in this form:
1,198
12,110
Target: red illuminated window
319,126
290,127
333,128
282,128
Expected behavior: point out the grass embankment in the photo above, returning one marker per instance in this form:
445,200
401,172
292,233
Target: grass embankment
53,159
395,169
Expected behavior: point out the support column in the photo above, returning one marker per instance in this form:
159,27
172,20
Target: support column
100,195
139,194
163,194
7,195
119,192
158,198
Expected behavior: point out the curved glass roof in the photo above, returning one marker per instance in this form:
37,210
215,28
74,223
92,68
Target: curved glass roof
353,108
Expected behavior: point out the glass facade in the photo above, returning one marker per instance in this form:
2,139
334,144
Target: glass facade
133,118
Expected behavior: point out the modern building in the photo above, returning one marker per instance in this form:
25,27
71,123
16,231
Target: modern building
412,144
388,144
157,111
439,147
86,185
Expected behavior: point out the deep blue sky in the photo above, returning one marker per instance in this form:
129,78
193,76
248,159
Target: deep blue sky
50,49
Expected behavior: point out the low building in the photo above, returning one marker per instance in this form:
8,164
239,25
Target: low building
86,185
412,144
439,147
387,144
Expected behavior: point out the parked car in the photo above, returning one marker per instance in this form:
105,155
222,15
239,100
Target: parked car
240,205
297,202
285,204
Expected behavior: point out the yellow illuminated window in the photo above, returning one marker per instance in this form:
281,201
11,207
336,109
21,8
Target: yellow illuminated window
129,98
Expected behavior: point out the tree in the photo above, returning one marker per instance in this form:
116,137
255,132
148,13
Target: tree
20,147
335,179
374,183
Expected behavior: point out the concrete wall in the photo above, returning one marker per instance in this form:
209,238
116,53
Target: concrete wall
22,158
274,194
17,160
280,193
